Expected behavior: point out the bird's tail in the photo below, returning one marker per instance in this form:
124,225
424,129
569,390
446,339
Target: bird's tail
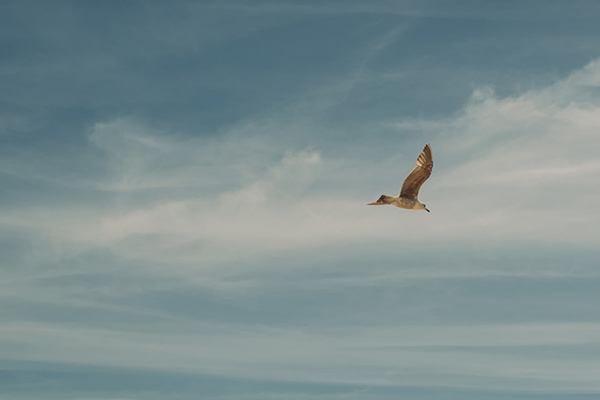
381,201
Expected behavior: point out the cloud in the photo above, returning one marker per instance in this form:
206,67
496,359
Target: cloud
185,188
256,251
512,169
527,159
511,166
389,357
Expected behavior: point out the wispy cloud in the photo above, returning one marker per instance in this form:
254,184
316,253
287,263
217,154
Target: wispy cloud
248,251
366,356
499,163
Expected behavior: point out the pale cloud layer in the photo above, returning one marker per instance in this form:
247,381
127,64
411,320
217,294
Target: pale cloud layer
507,170
490,355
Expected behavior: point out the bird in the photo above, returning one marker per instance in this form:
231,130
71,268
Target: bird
411,185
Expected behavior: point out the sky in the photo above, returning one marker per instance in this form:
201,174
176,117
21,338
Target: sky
183,190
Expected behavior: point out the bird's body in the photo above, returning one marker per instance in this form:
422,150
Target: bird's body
413,182
402,202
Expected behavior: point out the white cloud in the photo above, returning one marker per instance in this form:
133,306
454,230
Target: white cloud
519,168
516,169
529,160
250,252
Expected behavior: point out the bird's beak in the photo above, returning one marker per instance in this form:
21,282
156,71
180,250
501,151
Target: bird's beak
428,210
373,204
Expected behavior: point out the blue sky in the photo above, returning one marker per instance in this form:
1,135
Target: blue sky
184,186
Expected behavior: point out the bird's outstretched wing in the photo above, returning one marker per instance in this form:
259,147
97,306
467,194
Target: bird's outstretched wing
414,180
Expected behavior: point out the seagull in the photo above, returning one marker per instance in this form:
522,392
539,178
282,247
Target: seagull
412,184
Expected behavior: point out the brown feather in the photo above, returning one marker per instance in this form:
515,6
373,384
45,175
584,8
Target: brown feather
418,176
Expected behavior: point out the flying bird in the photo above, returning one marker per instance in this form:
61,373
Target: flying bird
412,184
